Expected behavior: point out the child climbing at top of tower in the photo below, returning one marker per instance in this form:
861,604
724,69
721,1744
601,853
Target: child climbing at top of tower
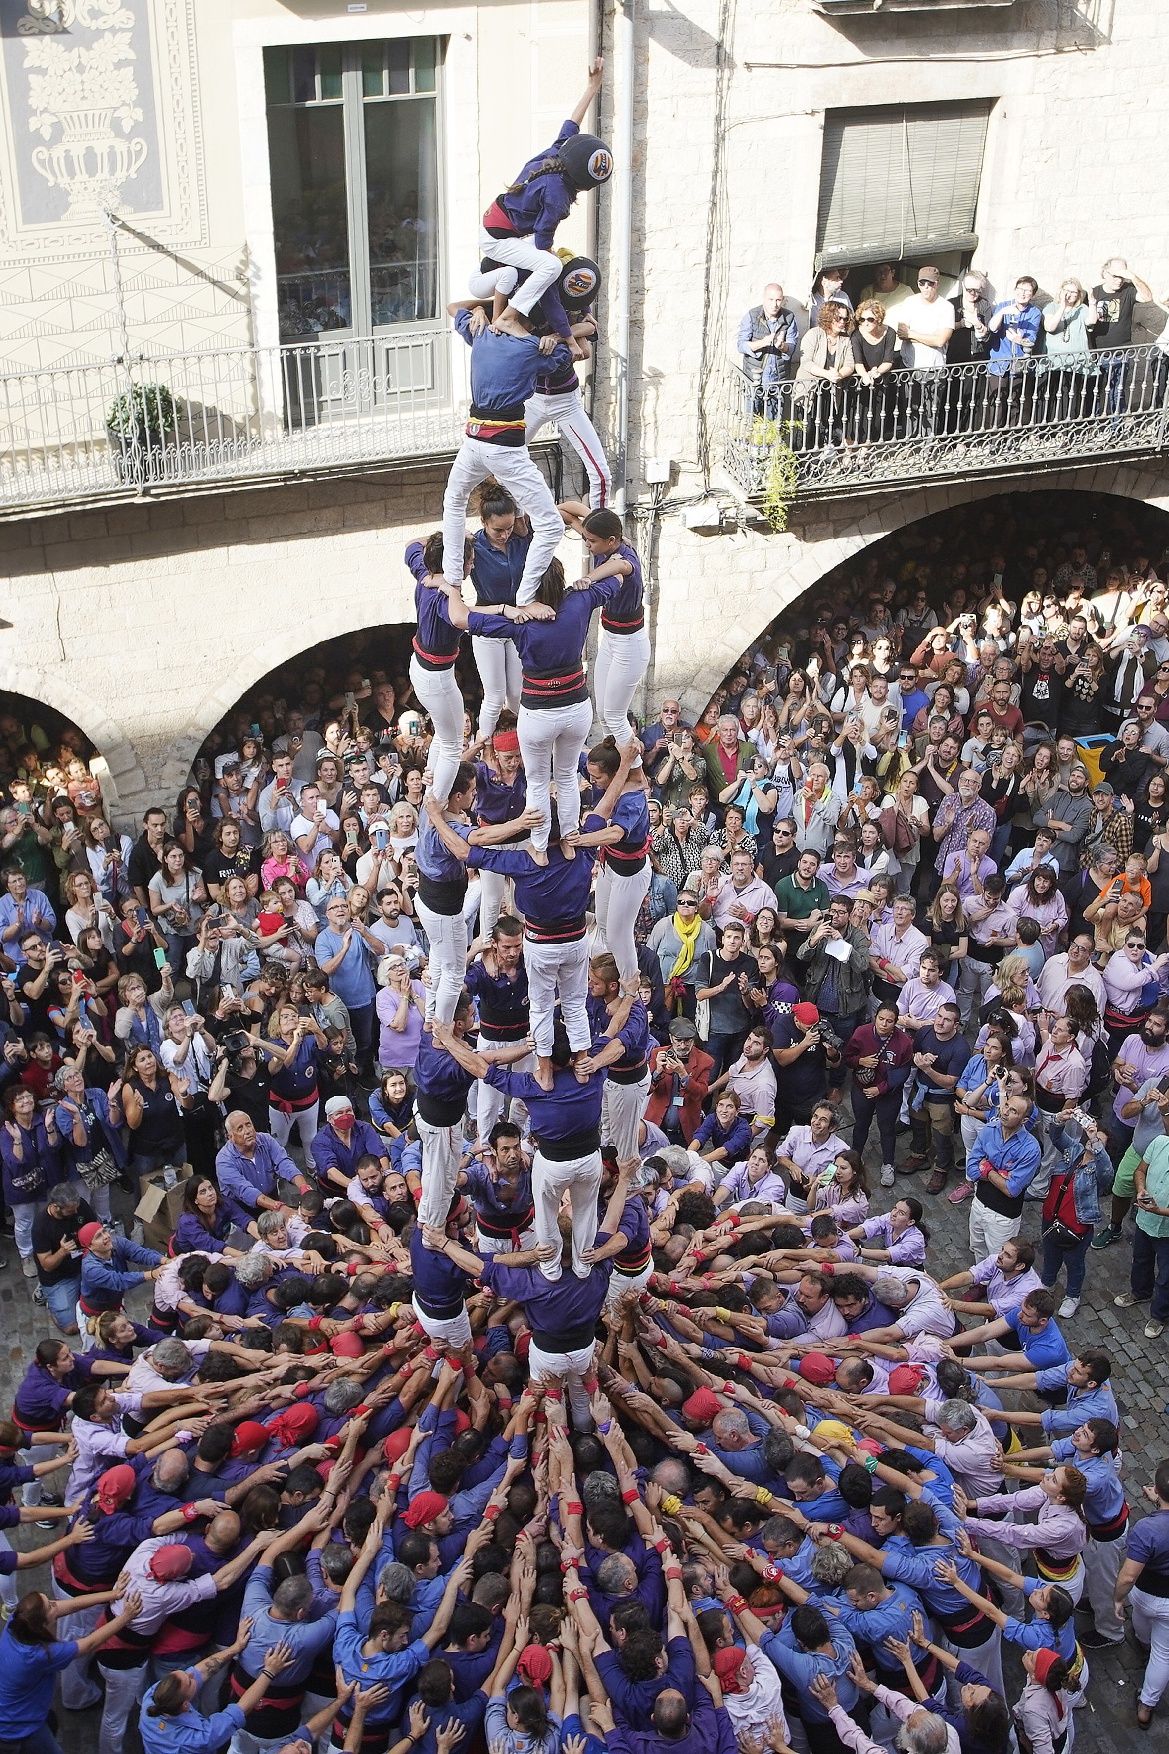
519,227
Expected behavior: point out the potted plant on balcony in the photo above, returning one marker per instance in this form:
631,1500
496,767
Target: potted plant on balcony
141,423
776,466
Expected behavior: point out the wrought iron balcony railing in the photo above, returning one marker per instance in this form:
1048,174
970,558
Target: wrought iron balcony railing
911,427
100,431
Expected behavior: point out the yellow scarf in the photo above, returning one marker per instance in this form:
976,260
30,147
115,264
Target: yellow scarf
687,931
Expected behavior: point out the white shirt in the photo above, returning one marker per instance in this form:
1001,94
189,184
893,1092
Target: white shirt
143,1377
972,1457
1055,978
926,1314
930,318
98,1446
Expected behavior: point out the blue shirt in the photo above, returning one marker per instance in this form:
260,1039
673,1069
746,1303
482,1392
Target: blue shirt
550,647
36,915
496,572
330,1151
187,1732
570,1111
552,1306
352,979
1016,1159
495,801
1003,352
243,1179
1081,1404
437,638
27,1677
1104,1499
307,1637
801,1667
104,1283
1045,1348
546,895
504,368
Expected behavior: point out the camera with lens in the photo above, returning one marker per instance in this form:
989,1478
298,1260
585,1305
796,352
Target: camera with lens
234,1042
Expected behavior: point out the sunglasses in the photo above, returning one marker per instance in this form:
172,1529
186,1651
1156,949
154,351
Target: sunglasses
927,283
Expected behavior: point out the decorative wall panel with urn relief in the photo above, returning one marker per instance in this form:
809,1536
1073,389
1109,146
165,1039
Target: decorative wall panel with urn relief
101,109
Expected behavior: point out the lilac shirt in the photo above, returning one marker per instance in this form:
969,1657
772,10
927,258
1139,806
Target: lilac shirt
908,1250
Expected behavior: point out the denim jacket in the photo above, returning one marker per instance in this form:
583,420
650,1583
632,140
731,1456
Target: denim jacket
1093,1175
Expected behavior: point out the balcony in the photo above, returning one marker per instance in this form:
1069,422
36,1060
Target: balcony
861,8
916,428
180,422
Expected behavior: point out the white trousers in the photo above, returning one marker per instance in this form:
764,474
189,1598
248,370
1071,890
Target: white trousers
492,889
442,1152
502,280
491,1104
544,267
621,1284
305,1120
573,1367
618,672
580,1178
568,412
439,693
447,960
456,1331
33,1492
494,1245
501,674
987,1658
618,901
562,968
551,740
124,1690
1102,1562
622,1107
989,1230
1150,1622
79,1689
511,465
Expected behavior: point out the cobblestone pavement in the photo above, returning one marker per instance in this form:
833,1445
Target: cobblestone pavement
1140,1379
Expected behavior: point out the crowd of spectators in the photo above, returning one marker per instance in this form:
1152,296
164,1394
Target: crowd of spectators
864,361
624,1407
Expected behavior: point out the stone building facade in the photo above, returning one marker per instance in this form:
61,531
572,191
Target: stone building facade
144,615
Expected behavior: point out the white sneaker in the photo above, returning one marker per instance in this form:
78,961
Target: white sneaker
1068,1308
887,1175
1154,1329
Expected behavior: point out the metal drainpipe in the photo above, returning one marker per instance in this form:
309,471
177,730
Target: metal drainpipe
621,236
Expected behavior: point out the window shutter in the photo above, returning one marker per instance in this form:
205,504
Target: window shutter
899,181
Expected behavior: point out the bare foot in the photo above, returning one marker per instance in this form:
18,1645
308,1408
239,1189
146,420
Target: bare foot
510,323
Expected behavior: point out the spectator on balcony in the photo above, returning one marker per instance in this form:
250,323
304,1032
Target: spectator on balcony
972,305
1068,347
828,285
925,325
826,363
1017,327
874,347
767,342
886,288
1110,316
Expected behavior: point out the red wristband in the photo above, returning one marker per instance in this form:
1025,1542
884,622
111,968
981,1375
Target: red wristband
743,1362
827,1269
190,1512
492,1511
314,1323
630,1495
574,1507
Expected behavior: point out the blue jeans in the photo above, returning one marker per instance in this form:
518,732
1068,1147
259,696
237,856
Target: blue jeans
42,1741
61,1303
1075,1262
1150,1271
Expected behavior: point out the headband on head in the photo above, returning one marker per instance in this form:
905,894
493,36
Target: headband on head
505,742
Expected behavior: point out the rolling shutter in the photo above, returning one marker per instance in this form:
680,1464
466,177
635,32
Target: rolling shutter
899,182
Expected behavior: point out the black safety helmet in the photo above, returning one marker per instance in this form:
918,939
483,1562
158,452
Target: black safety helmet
587,161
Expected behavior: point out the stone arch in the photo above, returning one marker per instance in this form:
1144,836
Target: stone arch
116,763
321,621
828,535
